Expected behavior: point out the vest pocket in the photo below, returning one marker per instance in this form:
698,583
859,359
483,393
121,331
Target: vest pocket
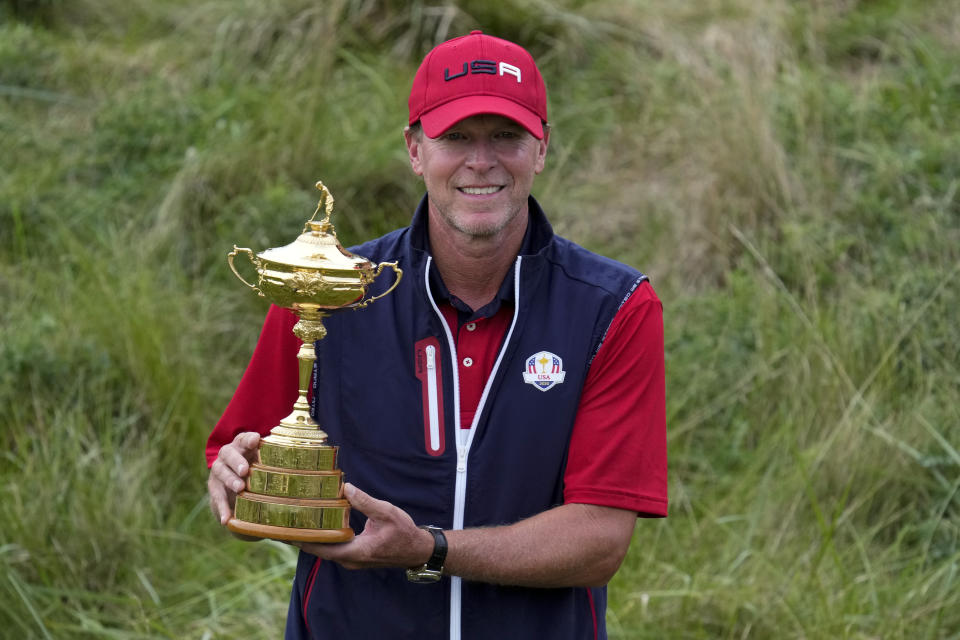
428,367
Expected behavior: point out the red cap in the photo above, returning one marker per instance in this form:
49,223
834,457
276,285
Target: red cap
477,74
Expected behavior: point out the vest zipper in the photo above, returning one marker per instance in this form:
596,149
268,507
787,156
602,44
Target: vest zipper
465,440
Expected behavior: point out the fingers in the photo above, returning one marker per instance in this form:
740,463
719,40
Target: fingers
248,442
381,515
365,503
219,503
235,457
231,477
228,471
243,450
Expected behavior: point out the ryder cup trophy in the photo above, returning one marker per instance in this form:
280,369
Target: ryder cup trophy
295,489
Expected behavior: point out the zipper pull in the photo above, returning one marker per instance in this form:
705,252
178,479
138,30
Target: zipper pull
431,357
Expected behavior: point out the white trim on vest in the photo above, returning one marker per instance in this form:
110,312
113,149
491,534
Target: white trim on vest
464,442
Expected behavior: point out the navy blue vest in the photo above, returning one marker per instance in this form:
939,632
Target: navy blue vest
370,400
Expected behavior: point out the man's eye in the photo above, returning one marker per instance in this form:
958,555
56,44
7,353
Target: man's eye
454,135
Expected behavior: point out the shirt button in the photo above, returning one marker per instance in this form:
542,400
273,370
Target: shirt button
468,362
471,326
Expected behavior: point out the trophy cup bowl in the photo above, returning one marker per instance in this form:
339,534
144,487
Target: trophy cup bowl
295,488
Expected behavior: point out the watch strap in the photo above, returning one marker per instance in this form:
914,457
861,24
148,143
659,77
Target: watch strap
439,555
432,569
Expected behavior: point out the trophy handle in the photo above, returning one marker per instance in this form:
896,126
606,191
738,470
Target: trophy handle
253,260
396,270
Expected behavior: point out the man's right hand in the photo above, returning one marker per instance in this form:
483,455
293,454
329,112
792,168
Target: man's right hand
228,473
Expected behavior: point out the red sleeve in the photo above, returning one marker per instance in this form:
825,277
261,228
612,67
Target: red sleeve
618,450
268,389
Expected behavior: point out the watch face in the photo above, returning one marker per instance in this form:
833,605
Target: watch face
423,575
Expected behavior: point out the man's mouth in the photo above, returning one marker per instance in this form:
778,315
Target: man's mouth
480,191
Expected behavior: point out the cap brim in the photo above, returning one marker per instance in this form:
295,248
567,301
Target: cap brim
438,120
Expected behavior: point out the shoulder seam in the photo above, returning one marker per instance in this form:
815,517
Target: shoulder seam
633,289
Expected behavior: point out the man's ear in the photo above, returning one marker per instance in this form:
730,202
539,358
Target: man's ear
542,151
413,138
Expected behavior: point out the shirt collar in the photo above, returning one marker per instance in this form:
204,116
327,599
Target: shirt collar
464,313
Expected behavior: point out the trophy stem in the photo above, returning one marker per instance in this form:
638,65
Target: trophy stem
300,416
309,330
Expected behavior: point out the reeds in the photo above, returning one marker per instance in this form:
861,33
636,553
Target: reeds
787,174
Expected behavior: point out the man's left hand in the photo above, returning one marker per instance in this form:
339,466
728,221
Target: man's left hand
390,537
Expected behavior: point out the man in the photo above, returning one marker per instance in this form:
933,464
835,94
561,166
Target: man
509,392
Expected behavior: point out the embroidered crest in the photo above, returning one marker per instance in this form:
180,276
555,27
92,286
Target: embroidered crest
544,369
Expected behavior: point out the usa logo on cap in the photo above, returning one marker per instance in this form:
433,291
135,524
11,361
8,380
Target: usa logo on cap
544,369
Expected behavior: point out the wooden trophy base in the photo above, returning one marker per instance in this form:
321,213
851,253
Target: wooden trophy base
289,534
291,519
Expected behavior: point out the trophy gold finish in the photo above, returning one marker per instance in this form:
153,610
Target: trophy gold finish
295,489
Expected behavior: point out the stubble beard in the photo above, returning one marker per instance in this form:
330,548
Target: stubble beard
478,230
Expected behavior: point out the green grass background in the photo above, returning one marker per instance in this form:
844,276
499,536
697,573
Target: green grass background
785,171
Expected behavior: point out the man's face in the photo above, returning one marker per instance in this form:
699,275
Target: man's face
478,173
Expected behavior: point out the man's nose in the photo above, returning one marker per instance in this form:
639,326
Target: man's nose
481,156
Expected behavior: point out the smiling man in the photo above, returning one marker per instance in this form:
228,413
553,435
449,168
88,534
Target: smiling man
501,413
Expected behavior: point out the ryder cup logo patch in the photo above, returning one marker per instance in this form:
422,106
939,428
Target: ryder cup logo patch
544,369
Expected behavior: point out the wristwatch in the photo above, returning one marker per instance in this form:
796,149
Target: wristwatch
432,569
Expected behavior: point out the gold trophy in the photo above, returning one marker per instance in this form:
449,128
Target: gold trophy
295,489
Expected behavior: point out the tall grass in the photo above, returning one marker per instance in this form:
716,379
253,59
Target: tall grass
787,174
